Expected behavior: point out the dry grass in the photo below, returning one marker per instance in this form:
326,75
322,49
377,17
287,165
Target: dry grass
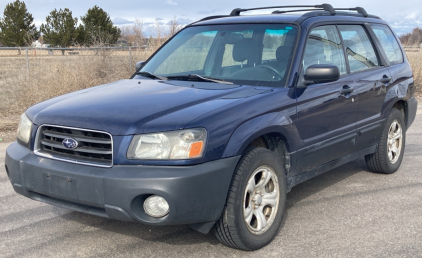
23,83
415,59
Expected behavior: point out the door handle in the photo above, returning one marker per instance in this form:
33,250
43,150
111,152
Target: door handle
385,79
346,90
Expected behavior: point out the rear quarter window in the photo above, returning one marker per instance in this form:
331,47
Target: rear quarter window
389,43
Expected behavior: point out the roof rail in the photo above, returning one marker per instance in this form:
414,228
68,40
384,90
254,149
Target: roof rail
323,7
212,17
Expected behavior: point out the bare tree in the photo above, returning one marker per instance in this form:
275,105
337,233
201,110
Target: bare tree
174,27
134,34
158,34
412,39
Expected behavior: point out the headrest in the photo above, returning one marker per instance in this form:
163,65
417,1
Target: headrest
245,49
283,52
290,39
232,38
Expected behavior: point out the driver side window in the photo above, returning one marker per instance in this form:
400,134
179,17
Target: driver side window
324,47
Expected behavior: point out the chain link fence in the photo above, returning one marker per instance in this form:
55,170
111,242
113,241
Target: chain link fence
28,53
411,49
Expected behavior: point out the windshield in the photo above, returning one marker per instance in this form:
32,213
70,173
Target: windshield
250,54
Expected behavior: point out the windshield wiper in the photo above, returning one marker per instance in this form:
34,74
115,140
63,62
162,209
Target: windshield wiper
154,76
196,76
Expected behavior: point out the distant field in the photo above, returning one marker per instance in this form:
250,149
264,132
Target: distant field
24,82
415,59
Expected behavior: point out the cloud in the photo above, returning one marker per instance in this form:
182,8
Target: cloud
170,2
404,15
206,12
402,24
181,21
411,16
120,21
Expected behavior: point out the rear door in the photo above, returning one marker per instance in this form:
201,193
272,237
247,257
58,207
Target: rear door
372,78
326,112
388,43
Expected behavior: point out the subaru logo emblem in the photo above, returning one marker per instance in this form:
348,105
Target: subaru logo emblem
70,143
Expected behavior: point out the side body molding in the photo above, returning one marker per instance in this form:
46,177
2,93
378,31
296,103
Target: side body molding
275,122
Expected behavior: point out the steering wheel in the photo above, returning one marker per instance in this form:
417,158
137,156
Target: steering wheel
272,69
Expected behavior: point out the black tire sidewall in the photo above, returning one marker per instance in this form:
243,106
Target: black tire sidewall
252,241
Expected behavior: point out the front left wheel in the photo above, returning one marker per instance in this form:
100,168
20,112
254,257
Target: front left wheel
255,203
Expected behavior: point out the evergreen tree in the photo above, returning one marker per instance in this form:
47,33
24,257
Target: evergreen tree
60,28
17,28
98,29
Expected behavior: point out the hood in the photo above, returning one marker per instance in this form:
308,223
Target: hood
137,106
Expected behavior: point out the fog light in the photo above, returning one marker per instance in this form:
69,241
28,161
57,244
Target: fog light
156,206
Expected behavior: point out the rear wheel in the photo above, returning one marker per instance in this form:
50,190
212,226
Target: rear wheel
255,203
389,154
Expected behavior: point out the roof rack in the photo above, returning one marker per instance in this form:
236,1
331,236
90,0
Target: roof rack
357,9
313,11
323,7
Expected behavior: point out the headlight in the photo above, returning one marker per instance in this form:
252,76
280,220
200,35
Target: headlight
183,144
24,129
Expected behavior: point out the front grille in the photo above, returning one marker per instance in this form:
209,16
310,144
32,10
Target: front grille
94,148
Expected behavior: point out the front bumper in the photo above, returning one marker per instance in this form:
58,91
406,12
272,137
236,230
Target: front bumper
196,194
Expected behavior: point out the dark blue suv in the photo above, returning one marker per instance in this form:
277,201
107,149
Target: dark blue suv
222,121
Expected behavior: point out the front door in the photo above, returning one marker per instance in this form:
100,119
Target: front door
326,112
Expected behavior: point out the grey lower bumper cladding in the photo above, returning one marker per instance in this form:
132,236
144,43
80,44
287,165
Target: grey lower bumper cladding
412,105
196,194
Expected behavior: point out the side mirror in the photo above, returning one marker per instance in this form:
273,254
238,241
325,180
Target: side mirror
321,73
139,65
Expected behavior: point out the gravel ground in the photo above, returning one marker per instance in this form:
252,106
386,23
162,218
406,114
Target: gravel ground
347,212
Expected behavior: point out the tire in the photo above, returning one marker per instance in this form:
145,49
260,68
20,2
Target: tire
383,160
258,169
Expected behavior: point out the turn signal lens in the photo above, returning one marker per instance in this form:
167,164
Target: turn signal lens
195,149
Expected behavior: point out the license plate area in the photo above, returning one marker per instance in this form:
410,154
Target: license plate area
60,186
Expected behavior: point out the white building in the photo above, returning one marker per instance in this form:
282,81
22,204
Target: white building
38,44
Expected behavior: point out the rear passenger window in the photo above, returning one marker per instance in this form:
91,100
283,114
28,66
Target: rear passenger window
324,47
389,43
360,52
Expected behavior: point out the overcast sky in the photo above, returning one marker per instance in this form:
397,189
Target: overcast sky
403,15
